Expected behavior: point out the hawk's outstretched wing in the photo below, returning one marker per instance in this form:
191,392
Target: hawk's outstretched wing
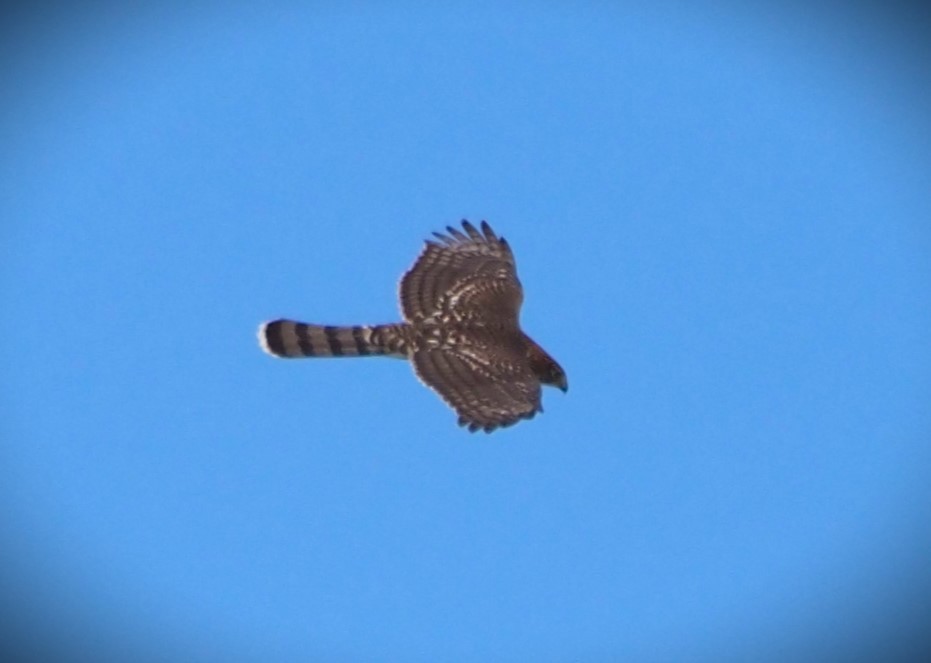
463,277
487,391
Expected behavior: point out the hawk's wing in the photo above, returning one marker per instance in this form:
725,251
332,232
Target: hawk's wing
486,390
467,276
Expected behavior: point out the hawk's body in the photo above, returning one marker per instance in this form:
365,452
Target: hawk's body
461,301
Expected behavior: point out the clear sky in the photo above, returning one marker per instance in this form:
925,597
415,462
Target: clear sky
721,220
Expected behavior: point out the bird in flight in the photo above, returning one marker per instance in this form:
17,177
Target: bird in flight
461,305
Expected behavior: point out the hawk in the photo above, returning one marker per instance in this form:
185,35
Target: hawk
461,331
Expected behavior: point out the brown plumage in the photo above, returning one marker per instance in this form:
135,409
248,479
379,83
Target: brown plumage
461,305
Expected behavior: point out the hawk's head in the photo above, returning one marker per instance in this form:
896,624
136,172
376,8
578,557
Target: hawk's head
554,376
545,367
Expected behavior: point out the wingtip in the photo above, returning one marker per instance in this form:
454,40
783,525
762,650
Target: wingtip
445,240
474,427
456,234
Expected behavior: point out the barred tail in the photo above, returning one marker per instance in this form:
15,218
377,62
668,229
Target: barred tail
288,338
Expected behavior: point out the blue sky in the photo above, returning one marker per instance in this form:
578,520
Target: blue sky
720,218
